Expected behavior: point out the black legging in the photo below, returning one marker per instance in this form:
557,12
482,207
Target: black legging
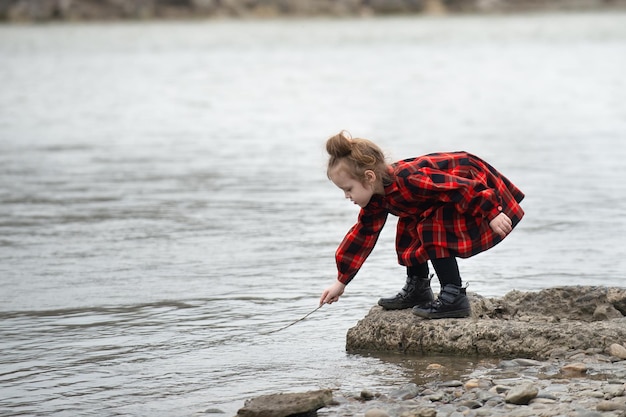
447,270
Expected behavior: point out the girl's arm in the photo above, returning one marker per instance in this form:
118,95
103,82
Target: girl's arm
359,243
501,224
332,293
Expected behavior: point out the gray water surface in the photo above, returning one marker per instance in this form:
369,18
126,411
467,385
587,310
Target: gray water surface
163,198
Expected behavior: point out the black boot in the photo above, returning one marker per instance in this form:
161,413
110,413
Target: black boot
415,292
451,303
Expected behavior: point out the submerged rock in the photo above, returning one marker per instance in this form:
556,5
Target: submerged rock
283,405
521,324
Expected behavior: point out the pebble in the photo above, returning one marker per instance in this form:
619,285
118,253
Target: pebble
521,394
618,351
574,384
574,368
376,412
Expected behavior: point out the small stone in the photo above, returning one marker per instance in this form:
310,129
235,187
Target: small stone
507,364
499,389
452,384
494,401
484,396
613,390
376,412
471,404
522,412
420,412
406,392
526,362
436,396
434,366
366,395
546,395
610,406
541,400
588,414
618,351
589,393
471,383
522,394
577,368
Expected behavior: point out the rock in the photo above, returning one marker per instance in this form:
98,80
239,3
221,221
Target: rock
421,412
611,405
526,362
452,384
532,325
613,390
521,394
376,412
405,392
366,395
472,383
606,312
574,369
618,351
283,405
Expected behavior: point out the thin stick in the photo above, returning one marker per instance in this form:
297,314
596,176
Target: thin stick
292,323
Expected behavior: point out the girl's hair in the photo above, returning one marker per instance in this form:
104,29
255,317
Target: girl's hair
358,155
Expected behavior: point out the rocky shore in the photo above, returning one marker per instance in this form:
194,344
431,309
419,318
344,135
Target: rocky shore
559,352
586,383
81,10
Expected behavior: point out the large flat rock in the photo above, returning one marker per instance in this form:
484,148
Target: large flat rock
521,324
286,404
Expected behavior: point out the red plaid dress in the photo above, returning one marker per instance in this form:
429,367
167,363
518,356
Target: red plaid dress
444,203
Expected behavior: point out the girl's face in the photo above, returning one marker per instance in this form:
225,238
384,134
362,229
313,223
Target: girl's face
358,192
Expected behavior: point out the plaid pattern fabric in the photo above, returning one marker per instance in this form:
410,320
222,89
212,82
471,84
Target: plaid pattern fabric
444,203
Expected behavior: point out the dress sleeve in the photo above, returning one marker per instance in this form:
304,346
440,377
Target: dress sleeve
468,195
359,242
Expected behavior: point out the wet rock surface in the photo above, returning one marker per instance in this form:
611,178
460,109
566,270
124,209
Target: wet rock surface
521,324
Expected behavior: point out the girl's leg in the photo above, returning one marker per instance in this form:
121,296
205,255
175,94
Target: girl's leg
419,270
447,270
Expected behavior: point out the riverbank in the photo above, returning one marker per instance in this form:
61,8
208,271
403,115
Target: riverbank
589,383
586,383
85,10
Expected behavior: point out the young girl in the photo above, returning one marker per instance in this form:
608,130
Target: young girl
448,205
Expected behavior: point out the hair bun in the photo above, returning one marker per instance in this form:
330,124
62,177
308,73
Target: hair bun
339,145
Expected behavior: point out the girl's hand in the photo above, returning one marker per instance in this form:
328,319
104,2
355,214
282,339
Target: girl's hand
501,224
332,293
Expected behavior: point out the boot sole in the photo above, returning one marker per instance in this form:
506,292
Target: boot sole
386,307
459,314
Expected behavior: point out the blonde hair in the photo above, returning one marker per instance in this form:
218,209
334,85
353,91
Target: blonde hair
358,155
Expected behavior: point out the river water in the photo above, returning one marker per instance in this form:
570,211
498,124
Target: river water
164,204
